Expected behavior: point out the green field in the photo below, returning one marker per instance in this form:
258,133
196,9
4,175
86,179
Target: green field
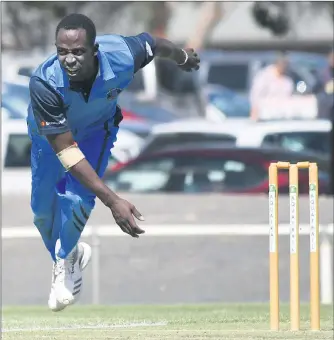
214,321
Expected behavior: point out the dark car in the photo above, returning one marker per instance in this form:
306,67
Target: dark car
211,167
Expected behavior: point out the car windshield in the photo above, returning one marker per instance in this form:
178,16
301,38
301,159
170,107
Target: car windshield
15,99
18,151
15,106
147,176
16,90
232,105
232,76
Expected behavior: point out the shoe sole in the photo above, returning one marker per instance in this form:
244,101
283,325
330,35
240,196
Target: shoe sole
58,308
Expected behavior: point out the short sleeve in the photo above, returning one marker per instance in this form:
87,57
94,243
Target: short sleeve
48,108
142,48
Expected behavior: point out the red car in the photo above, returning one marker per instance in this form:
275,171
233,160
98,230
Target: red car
211,167
128,115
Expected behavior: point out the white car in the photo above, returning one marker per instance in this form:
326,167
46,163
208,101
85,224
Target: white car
16,145
296,135
15,153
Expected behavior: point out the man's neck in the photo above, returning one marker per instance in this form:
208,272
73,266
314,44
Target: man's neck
95,70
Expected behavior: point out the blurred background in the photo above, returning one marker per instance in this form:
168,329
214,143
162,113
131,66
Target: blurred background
266,81
264,93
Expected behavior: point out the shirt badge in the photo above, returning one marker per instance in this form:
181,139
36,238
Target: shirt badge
113,93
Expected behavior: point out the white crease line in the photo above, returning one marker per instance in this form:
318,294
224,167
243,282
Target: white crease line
172,230
49,329
222,331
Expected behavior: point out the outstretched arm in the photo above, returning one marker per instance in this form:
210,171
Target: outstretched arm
187,58
144,47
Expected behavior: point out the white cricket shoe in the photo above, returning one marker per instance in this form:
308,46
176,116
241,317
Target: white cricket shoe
67,278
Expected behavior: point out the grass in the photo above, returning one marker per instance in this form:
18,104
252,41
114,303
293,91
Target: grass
179,322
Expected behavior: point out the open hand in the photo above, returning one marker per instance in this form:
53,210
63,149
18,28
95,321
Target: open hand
123,212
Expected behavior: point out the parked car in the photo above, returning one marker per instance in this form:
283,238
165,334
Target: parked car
140,128
14,100
211,167
236,69
223,103
16,97
15,156
138,101
149,110
10,112
295,135
16,145
127,146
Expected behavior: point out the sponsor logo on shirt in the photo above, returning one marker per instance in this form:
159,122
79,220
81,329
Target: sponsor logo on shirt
44,123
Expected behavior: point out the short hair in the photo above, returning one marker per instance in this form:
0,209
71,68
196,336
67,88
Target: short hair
75,21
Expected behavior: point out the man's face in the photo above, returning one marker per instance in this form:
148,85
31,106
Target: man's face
75,54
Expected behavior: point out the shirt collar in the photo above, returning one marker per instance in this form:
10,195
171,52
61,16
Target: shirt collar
105,71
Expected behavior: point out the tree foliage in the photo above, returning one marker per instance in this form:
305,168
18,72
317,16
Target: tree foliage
30,24
281,17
